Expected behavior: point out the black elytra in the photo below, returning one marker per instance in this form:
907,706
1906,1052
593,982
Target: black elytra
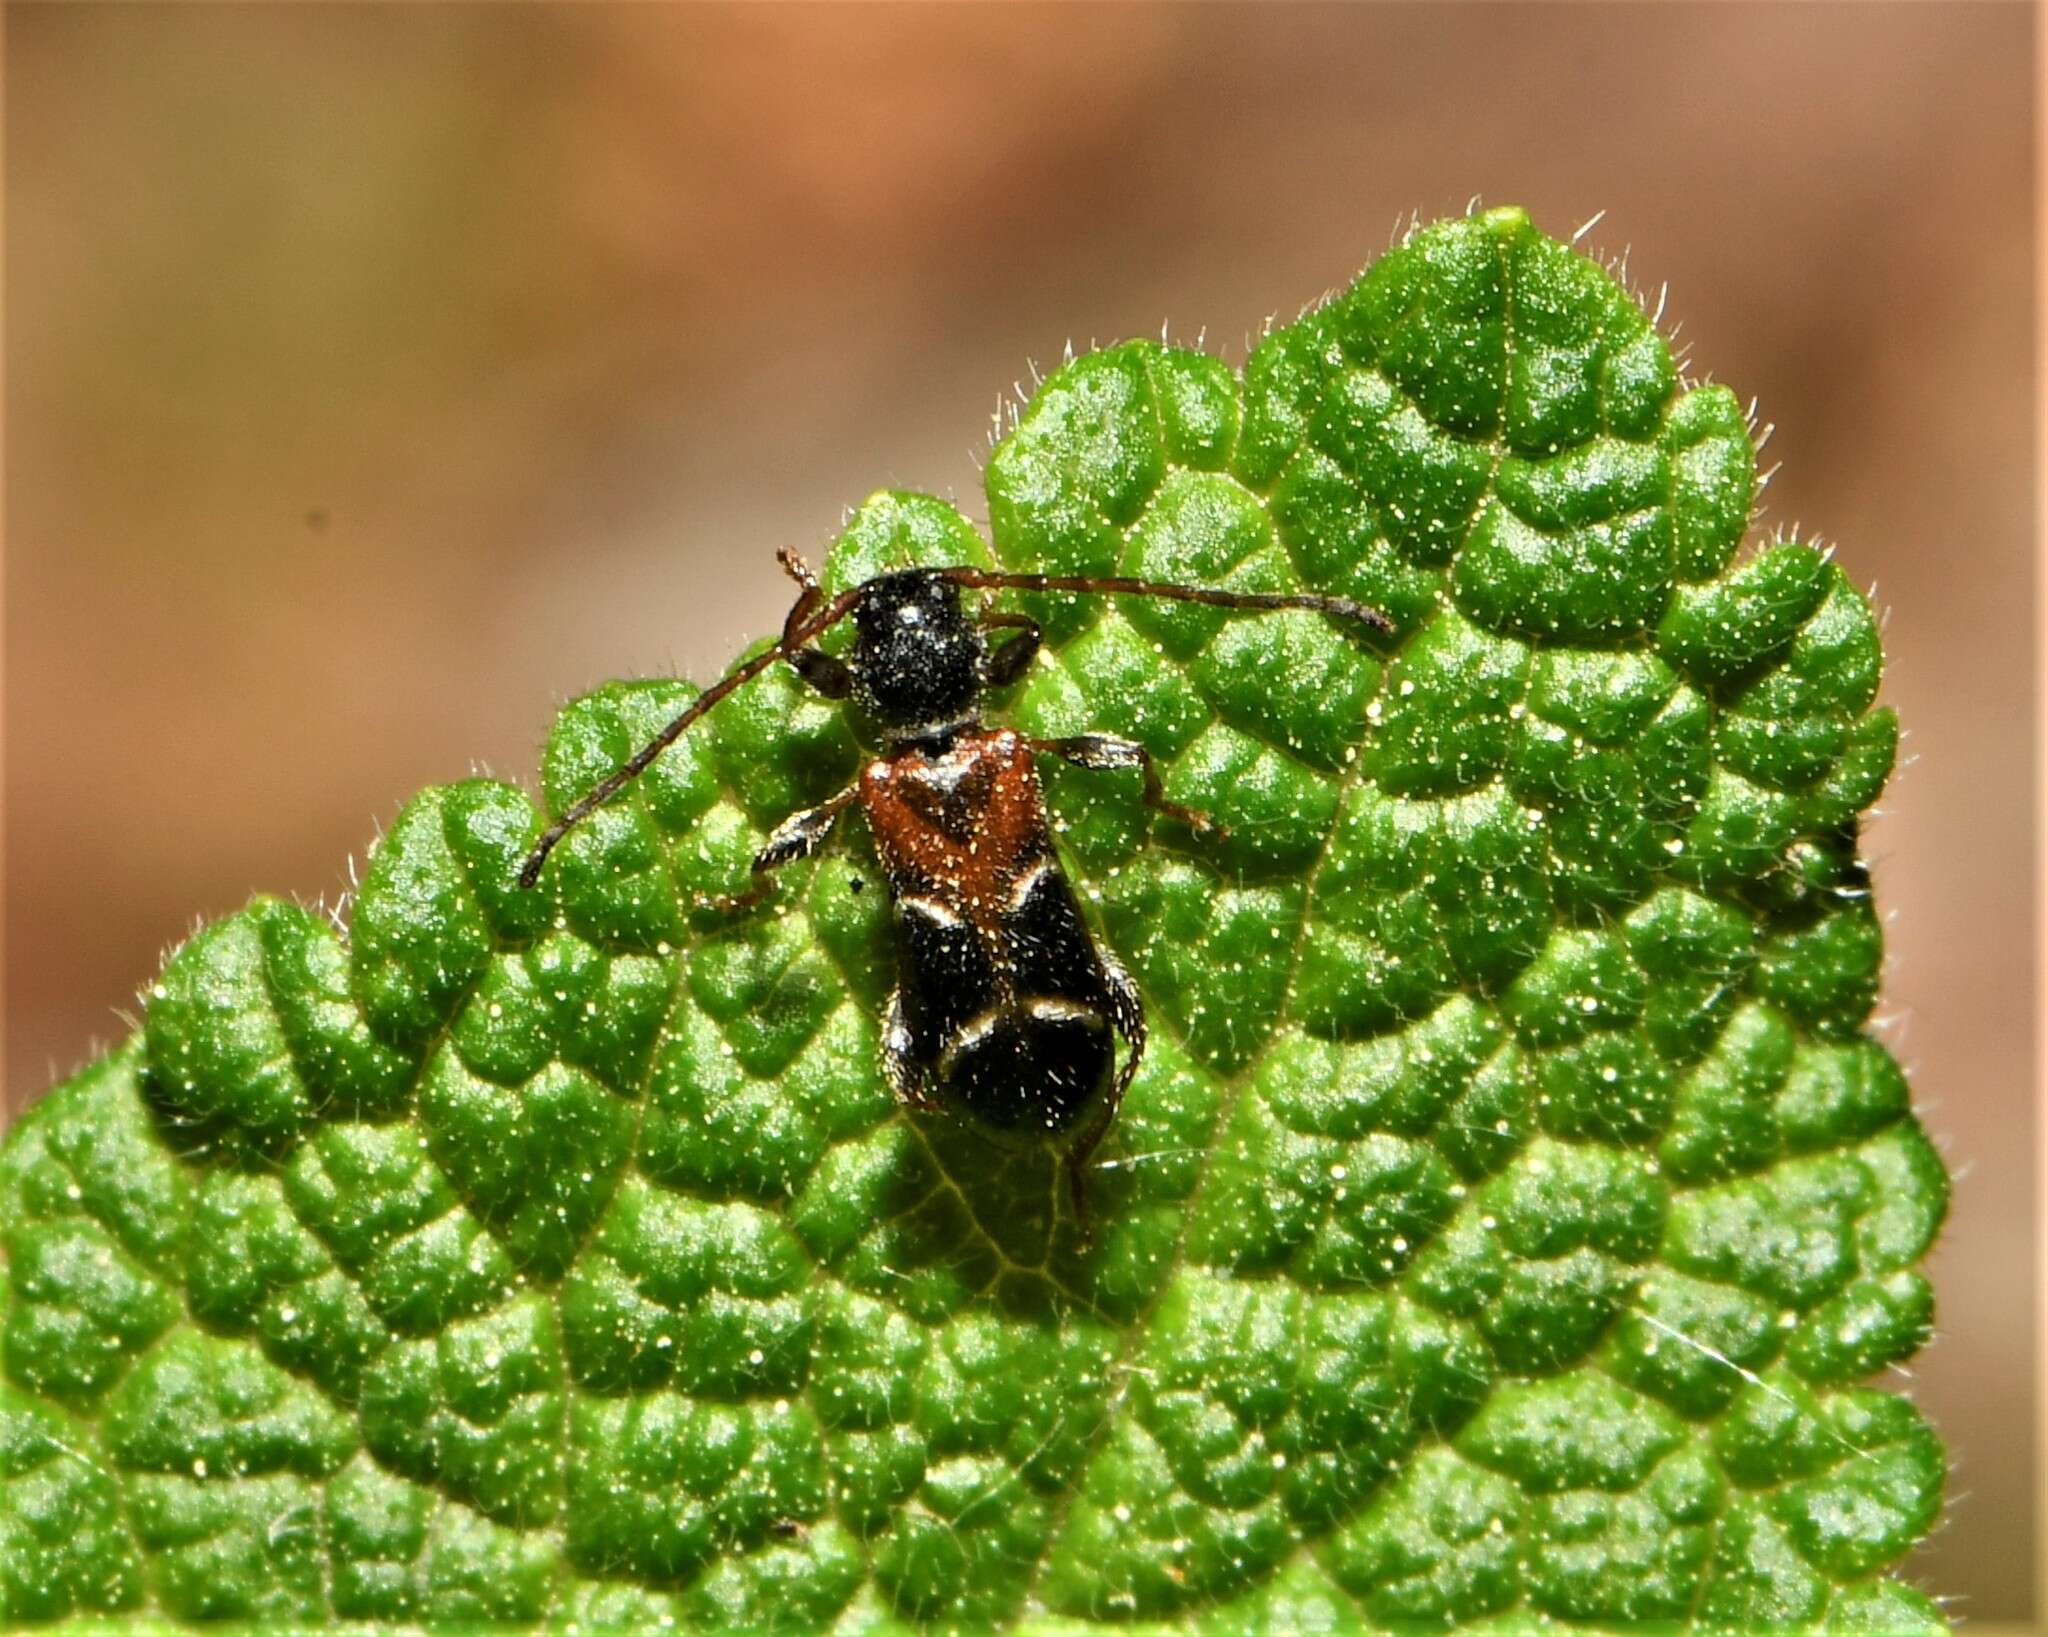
1006,1009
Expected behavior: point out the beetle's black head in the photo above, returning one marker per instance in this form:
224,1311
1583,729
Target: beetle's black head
916,656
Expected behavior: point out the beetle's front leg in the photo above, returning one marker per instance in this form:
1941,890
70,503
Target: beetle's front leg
1102,752
1005,664
797,836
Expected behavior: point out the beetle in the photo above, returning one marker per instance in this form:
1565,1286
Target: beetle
1005,1006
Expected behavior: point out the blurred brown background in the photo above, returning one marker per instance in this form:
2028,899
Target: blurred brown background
377,378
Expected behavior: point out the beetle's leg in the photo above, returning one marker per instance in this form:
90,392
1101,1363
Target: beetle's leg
809,592
797,836
831,677
1101,752
897,1067
1005,664
1126,1014
1127,1017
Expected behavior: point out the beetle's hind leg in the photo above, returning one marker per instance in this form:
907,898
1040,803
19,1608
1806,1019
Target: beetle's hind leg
897,1068
1127,1017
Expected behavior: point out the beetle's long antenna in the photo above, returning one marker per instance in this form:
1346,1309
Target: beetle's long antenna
794,636
990,579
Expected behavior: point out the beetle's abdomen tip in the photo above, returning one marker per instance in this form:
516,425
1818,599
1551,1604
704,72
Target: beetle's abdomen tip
1027,1072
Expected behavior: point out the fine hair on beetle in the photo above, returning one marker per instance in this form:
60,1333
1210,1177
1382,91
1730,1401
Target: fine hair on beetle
1005,1008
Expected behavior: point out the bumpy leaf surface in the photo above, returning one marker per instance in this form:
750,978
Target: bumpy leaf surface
1509,1207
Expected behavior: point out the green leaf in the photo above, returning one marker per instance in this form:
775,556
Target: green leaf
1505,1218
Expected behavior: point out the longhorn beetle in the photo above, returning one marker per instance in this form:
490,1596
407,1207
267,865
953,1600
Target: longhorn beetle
1004,1005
